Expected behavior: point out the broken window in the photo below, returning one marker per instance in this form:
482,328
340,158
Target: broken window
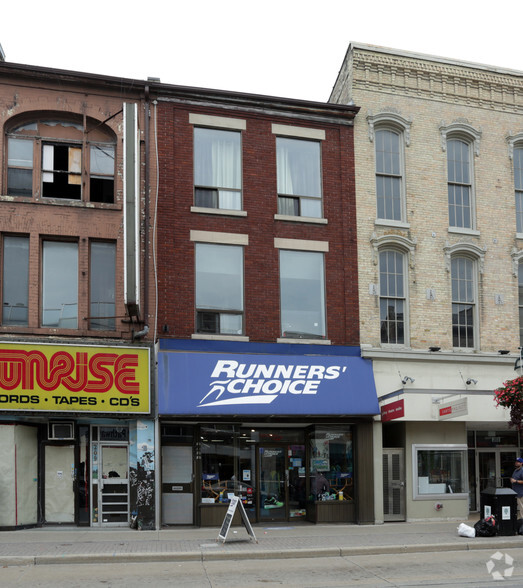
62,159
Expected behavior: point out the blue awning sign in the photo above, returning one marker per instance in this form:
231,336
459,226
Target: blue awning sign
210,383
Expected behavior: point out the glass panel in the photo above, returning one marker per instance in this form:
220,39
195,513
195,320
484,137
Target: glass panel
392,297
102,160
518,186
506,467
463,307
60,285
302,291
217,160
219,279
441,471
20,155
82,477
487,470
332,465
299,173
102,286
218,464
15,281
388,175
61,172
272,483
297,481
459,188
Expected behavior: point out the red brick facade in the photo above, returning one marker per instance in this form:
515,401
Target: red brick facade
176,259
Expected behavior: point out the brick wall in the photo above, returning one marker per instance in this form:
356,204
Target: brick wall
176,317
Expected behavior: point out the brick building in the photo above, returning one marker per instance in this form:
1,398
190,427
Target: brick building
438,152
261,387
76,412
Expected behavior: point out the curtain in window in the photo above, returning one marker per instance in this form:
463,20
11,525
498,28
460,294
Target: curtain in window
298,167
217,162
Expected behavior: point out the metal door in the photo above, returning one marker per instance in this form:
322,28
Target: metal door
113,486
177,485
59,483
394,484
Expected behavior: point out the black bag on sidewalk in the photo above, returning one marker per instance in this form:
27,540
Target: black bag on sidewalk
486,527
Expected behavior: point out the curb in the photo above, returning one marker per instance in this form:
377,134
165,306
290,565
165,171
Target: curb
237,554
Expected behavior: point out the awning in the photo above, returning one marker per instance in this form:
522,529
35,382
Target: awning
260,384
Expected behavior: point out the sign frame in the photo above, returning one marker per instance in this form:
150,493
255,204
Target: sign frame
226,525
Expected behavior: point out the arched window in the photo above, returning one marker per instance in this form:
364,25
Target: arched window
56,156
464,301
390,133
389,176
518,186
392,296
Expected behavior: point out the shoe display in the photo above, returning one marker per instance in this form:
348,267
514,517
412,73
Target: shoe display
272,503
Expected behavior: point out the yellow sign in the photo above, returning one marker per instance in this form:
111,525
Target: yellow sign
63,378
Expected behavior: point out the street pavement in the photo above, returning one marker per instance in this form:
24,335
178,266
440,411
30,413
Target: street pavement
53,545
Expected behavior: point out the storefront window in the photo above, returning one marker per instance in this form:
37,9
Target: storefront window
496,438
440,469
331,464
227,465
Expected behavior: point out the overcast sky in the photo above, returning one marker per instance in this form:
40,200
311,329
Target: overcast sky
286,48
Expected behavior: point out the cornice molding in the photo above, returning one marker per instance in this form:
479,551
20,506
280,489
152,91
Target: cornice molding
437,80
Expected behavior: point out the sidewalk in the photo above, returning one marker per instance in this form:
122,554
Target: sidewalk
52,545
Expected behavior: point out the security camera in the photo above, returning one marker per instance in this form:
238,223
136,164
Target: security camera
407,379
471,381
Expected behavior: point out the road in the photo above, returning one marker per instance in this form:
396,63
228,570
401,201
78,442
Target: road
454,568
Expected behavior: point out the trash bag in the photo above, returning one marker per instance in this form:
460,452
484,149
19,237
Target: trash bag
486,527
466,531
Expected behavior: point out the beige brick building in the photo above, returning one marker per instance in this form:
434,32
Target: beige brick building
438,156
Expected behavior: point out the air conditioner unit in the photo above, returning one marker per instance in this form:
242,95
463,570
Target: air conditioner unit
61,431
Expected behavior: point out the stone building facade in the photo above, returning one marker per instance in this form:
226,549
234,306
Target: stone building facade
438,146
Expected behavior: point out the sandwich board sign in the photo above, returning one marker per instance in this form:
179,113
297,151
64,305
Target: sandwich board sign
226,525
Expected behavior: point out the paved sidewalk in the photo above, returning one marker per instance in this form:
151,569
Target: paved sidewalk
51,545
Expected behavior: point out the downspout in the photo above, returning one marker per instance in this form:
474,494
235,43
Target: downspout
146,210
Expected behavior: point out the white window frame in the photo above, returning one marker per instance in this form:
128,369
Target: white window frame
447,495
395,123
404,298
459,254
471,137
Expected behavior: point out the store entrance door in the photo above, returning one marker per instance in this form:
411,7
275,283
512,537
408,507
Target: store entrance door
114,485
495,466
281,482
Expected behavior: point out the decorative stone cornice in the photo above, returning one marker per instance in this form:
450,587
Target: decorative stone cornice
517,257
460,128
444,80
470,249
399,242
392,119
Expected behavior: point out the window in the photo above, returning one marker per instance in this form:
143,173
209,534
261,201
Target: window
49,158
60,285
389,179
463,301
520,301
20,167
438,470
217,169
459,183
392,296
299,177
219,289
518,187
15,281
102,286
302,294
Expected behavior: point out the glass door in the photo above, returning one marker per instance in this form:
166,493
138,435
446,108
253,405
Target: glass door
282,482
495,466
113,486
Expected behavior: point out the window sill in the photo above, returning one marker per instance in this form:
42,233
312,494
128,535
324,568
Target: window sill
62,202
519,235
383,222
303,341
218,211
219,337
301,219
464,231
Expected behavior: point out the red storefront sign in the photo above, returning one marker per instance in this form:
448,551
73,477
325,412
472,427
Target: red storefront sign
394,410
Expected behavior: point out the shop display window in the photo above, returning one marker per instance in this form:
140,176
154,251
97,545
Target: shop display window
331,464
440,470
227,457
